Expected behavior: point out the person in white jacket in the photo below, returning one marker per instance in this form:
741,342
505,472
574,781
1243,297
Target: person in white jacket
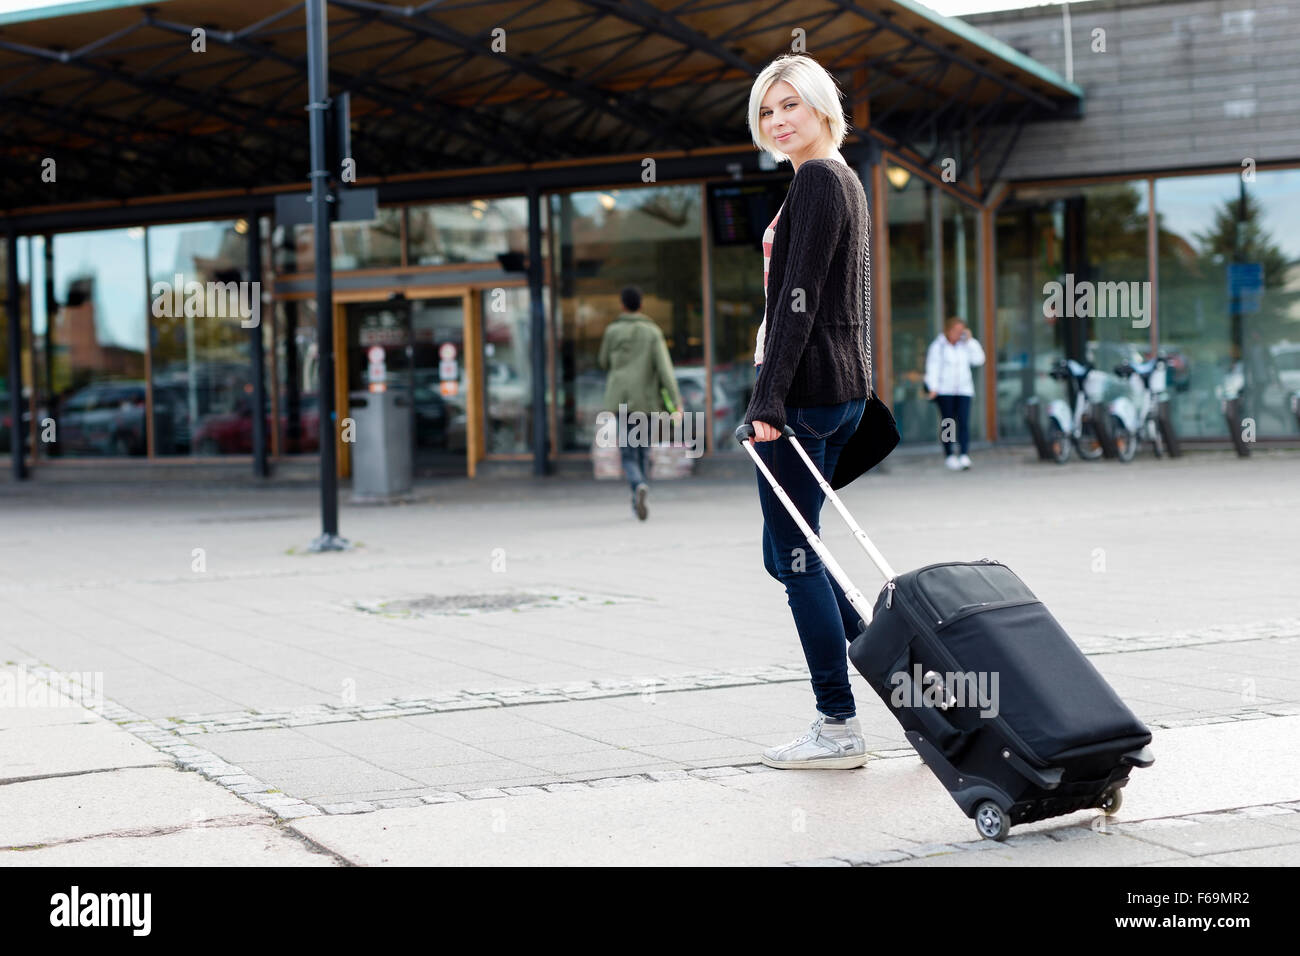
948,381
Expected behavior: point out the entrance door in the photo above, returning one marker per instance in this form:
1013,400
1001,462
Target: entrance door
423,346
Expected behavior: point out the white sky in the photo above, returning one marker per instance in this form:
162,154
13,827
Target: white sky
949,8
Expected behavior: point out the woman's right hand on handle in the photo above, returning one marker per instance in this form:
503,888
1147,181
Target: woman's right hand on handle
765,432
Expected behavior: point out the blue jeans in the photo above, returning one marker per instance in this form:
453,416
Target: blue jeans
825,620
634,464
956,407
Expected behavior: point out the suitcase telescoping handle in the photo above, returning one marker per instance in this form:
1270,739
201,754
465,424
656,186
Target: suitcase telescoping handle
745,435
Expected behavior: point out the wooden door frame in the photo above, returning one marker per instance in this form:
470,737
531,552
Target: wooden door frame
472,343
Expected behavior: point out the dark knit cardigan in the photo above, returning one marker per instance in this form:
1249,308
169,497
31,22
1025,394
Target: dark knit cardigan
814,349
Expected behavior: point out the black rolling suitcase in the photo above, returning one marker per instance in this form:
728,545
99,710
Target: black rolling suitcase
996,698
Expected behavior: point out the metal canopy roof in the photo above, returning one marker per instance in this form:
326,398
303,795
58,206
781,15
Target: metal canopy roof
114,93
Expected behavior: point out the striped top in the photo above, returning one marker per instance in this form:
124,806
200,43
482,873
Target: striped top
769,237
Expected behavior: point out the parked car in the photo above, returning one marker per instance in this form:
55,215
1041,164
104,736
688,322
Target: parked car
108,418
232,433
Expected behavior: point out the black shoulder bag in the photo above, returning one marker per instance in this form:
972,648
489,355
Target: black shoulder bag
877,434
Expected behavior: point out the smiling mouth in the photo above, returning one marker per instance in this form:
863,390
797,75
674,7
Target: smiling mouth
784,136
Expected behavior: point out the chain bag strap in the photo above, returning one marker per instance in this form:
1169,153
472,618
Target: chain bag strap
866,297
877,433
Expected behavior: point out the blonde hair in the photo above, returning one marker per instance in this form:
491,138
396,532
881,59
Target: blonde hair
952,320
811,81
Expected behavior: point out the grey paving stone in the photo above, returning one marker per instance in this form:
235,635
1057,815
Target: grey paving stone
661,775
1231,833
606,782
398,802
931,849
347,807
564,787
826,861
1285,855
710,772
874,857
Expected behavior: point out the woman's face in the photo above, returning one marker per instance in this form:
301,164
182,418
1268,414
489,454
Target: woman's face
788,121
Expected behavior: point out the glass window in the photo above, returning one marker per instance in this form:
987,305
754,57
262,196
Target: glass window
6,413
1229,306
607,240
739,215
1075,283
353,245
297,373
929,283
1029,249
202,384
479,231
507,369
912,307
97,339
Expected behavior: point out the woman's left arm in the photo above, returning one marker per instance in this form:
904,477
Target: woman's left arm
975,352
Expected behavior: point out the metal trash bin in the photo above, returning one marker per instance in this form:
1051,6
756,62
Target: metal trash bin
381,454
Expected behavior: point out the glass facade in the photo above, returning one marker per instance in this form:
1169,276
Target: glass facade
933,274
1229,279
295,375
478,231
353,245
125,338
508,370
1072,281
605,240
97,344
199,346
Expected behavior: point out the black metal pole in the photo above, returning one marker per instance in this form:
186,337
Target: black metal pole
538,334
318,96
255,352
17,437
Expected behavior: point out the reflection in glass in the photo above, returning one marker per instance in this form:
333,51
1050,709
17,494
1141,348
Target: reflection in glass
478,231
202,385
606,240
507,370
1230,297
353,245
97,375
297,372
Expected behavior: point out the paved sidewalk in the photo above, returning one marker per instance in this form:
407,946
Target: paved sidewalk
517,671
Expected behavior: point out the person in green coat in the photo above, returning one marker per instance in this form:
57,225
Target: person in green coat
635,355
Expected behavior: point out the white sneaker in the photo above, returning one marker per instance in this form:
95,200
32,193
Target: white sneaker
823,747
953,463
965,461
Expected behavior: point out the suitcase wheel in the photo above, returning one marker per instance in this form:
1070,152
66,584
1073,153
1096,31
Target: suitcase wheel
1110,801
991,822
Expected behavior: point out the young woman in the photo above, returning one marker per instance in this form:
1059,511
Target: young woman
812,375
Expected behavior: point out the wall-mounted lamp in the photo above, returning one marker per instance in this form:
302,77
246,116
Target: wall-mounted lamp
898,177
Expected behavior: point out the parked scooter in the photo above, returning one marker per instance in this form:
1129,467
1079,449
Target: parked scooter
1074,422
1151,419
